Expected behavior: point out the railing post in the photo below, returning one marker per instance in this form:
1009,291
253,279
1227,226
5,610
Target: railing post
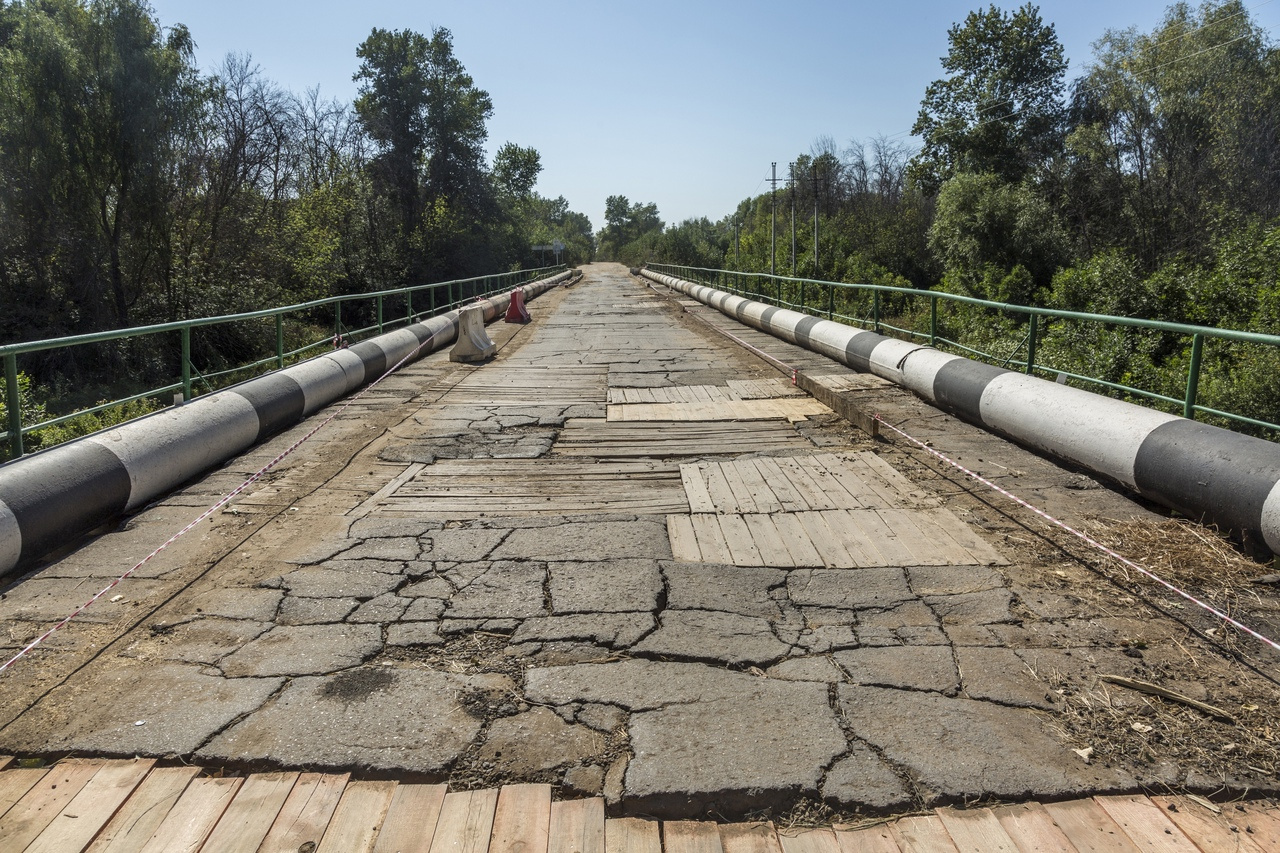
280,341
337,320
379,313
1031,346
186,363
13,402
1193,377
875,310
831,301
933,321
803,306
408,301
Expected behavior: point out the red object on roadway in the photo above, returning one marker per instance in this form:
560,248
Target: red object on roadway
516,311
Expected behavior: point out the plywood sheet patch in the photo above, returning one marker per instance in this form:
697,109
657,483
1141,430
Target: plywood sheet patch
852,381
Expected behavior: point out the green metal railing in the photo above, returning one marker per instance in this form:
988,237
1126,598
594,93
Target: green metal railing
757,286
439,298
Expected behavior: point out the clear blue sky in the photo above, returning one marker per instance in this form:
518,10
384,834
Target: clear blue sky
684,104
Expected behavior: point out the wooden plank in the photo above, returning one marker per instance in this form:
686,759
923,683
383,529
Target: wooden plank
305,812
894,551
720,489
695,488
75,827
879,492
466,821
810,492
922,835
522,819
15,783
5,761
144,810
753,837
793,535
577,826
853,484
358,817
826,541
738,537
246,822
631,835
690,836
764,533
711,544
1145,824
927,544
862,551
1089,828
1031,828
761,495
875,839
809,841
192,817
39,806
743,499
976,831
1211,832
981,551
841,487
1261,825
684,542
411,819
906,490
786,494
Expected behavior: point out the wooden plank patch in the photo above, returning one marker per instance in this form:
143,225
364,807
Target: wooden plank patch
306,812
834,539
355,823
851,381
248,819
577,826
145,809
474,488
189,822
79,821
596,437
797,408
38,808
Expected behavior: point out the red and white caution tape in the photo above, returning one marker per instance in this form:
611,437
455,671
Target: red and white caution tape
226,499
1086,538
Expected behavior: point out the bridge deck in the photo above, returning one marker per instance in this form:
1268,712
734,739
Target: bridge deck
134,805
624,560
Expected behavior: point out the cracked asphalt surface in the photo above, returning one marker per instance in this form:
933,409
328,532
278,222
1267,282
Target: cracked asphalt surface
318,623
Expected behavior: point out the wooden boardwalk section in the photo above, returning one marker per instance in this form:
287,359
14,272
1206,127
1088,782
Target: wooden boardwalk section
113,806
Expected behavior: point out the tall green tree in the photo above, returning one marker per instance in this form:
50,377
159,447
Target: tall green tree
94,100
1000,109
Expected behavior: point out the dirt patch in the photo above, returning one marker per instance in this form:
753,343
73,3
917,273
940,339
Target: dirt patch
357,684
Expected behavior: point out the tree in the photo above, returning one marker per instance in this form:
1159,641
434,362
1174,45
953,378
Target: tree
1000,110
627,224
95,100
515,170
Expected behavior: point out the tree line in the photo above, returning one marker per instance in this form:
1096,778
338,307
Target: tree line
135,189
1149,186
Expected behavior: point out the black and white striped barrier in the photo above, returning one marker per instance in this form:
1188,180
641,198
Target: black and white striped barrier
1201,471
51,497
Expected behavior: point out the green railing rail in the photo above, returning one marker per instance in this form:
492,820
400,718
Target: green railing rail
439,298
755,286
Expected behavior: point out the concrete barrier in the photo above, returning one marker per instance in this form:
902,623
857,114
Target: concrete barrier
51,497
1202,471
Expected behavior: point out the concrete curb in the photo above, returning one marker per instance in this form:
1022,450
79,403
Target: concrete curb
1202,471
49,498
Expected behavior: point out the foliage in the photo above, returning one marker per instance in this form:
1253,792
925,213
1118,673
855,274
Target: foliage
134,189
1000,110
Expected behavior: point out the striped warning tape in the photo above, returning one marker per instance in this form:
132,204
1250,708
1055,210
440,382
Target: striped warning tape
223,501
1084,537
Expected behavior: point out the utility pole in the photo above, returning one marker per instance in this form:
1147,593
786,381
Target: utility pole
815,220
791,184
773,214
